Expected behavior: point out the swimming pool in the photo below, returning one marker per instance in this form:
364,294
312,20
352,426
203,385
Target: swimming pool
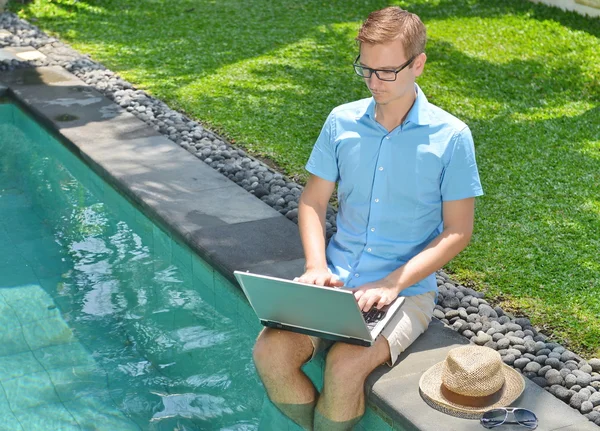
108,322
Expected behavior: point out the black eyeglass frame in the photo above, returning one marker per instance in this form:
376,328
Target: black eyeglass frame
508,410
395,71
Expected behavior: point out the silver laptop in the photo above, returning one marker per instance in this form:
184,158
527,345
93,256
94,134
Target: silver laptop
324,312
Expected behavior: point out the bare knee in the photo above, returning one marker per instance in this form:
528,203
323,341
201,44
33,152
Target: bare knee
277,350
345,363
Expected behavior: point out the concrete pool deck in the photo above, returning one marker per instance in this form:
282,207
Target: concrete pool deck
231,229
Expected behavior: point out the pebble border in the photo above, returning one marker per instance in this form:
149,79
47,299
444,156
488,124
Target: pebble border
559,371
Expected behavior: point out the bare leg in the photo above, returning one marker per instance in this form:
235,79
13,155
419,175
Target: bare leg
279,356
342,402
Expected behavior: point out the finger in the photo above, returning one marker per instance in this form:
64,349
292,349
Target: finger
336,282
358,293
321,280
370,301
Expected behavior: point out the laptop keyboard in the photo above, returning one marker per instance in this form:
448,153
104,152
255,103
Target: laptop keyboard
373,316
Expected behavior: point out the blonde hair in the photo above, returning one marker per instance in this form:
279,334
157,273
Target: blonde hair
392,23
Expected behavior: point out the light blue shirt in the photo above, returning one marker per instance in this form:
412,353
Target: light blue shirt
391,185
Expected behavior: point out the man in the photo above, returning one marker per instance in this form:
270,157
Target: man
407,180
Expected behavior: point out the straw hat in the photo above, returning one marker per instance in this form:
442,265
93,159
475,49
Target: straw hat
471,380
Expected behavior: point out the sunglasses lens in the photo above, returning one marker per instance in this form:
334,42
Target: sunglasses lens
493,418
526,418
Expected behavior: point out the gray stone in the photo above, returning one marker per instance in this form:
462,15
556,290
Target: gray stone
570,380
586,407
509,359
516,341
542,372
595,399
503,343
576,401
487,311
540,381
567,355
521,362
541,359
560,392
532,367
595,364
482,338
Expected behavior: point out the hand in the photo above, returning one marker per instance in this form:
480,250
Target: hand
320,277
380,293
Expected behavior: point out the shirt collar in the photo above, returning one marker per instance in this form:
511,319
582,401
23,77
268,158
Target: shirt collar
418,113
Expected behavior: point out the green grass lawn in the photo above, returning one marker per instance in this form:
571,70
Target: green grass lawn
525,77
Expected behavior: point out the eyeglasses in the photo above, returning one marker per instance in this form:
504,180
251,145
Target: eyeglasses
496,417
382,74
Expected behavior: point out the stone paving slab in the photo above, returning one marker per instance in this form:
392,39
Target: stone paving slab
396,391
21,53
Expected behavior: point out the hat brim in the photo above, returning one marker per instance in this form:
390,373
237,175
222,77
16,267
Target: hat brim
430,387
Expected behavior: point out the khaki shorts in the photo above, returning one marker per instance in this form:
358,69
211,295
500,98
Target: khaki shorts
402,330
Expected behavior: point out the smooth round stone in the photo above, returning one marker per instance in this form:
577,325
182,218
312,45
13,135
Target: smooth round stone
509,359
585,392
553,362
586,407
514,352
521,362
540,381
567,355
468,333
559,349
583,379
504,319
520,334
513,327
487,311
595,364
539,345
571,366
522,321
520,348
462,313
544,351
593,415
482,338
555,380
595,399
570,380
491,344
532,367
530,345
576,401
586,368
491,331
503,343
542,372
554,355
473,318
438,314
476,327
529,356
541,359
472,310
516,341
564,372
498,336
560,392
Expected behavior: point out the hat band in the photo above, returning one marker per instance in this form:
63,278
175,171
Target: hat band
465,400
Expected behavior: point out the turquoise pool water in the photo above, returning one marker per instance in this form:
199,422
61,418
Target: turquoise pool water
106,322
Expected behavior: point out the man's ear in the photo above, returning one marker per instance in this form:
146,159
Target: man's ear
419,64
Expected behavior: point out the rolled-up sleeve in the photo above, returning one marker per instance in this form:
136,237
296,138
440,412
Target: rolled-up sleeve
460,179
323,160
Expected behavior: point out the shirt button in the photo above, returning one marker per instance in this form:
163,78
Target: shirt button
381,168
357,275
372,229
376,199
387,137
369,249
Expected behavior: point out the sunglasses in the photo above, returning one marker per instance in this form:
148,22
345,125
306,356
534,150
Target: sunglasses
496,417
